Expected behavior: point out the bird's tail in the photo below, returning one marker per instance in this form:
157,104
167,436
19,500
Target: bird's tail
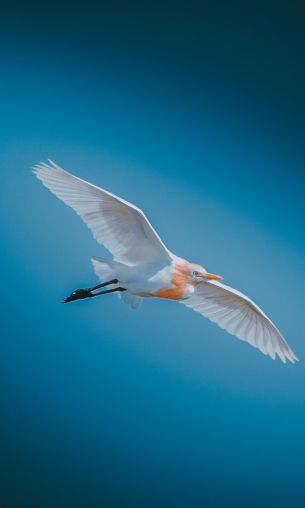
107,269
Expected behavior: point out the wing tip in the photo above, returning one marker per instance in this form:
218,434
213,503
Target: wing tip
48,173
286,354
292,357
43,167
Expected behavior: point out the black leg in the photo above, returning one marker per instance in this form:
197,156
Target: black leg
113,281
107,291
80,294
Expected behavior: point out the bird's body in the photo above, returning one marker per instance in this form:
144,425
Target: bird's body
143,267
153,280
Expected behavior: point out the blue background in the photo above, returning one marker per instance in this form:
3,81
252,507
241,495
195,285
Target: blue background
195,112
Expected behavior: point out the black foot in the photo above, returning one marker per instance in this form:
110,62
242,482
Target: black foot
79,294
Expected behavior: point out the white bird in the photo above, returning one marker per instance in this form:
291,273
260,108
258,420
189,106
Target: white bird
143,267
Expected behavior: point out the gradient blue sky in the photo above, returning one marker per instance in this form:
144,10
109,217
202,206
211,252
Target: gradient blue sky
196,114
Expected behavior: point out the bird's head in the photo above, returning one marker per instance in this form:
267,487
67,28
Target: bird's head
199,274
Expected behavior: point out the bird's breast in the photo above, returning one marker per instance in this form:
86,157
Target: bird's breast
178,286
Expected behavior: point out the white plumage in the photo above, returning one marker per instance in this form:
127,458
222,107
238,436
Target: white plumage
118,225
142,266
241,317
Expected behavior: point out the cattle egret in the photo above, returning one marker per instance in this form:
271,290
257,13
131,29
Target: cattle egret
143,267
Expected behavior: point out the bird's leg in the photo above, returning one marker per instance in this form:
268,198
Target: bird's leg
107,291
113,281
80,294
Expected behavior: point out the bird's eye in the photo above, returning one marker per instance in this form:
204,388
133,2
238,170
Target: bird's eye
195,273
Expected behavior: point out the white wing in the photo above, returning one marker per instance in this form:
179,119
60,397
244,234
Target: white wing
237,314
118,225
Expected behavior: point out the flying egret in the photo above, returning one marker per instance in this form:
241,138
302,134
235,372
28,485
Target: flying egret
143,267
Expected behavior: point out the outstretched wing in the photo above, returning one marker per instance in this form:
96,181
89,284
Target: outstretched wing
241,317
118,225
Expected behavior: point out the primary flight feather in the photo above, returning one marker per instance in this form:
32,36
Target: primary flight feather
143,267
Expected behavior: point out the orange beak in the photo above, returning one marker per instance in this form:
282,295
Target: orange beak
211,276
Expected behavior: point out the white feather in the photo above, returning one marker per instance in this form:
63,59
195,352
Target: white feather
118,225
240,316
